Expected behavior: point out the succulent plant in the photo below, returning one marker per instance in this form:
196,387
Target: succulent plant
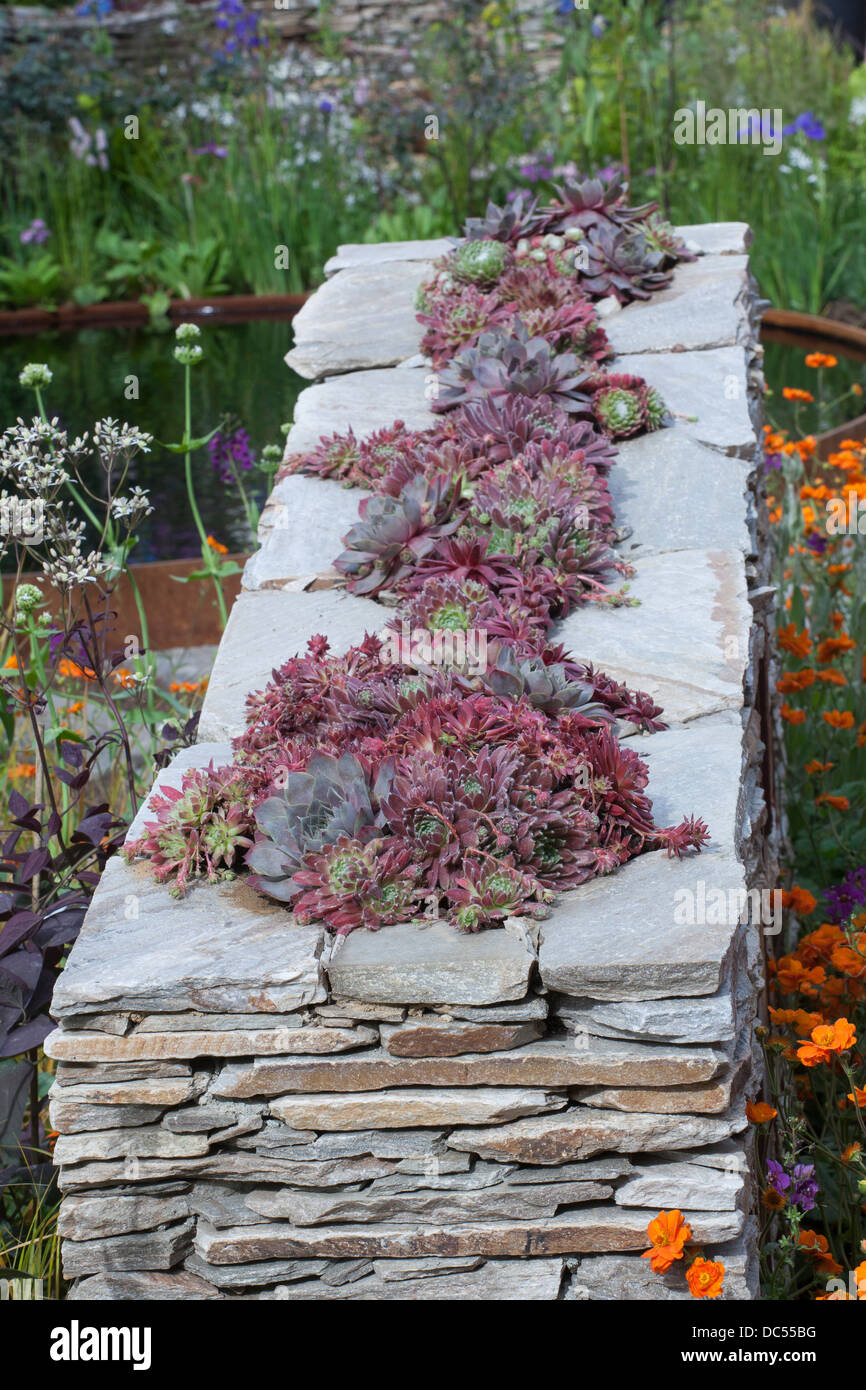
349,884
488,893
623,263
456,321
200,829
624,404
478,262
513,364
335,456
548,688
332,799
518,218
394,533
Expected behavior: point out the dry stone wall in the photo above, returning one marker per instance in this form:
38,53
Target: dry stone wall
247,1111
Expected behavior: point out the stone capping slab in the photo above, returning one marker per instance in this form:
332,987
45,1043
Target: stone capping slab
224,949
264,629
692,667
363,401
431,964
708,393
356,254
362,317
705,306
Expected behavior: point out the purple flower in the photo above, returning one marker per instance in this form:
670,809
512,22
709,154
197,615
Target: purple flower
805,1186
772,461
35,234
326,105
229,451
817,543
219,151
800,1188
778,1178
808,125
598,26
843,899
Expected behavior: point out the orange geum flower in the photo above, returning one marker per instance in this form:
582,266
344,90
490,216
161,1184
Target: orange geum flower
806,447
773,1200
814,1243
851,960
838,569
795,680
794,393
828,1041
851,1152
821,359
838,718
839,803
861,735
793,977
799,1019
217,546
815,766
773,442
758,1112
797,643
11,663
835,646
860,1280
668,1233
858,1097
791,715
22,770
799,900
832,677
705,1278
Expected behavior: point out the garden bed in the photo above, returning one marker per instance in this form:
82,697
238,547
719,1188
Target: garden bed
249,1108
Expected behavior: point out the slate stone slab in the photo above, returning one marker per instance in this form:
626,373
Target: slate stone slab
718,238
302,530
224,947
614,1278
266,628
94,1047
706,306
551,1062
666,486
500,1281
139,1251
362,317
682,1186
709,394
120,1287
619,937
354,253
580,1133
704,1098
441,1207
686,644
199,755
90,1218
595,1228
431,964
413,1106
364,401
707,1020
696,770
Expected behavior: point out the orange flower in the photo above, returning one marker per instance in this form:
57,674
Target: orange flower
831,677
792,716
668,1234
850,1152
851,959
22,770
801,1021
797,643
793,393
795,680
838,718
815,1244
828,1041
217,546
839,803
814,766
11,663
793,976
834,646
123,676
75,708
799,900
821,359
861,735
806,447
705,1278
758,1112
73,671
772,442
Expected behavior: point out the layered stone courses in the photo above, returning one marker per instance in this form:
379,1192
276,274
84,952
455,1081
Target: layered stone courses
248,1110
